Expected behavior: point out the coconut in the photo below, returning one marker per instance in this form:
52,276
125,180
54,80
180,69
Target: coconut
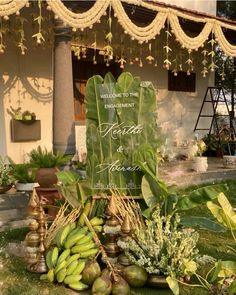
91,271
102,286
135,275
120,287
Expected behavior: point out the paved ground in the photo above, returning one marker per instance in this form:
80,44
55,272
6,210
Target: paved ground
13,209
13,205
181,174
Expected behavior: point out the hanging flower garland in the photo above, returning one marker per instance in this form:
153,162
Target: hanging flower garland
79,20
228,49
141,34
8,7
185,40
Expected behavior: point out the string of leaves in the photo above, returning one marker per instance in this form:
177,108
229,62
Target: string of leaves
108,49
39,19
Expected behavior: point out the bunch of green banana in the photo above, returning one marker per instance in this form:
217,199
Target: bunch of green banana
66,260
67,271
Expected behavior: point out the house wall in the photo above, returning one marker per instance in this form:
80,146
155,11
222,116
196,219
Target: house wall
207,6
177,111
26,81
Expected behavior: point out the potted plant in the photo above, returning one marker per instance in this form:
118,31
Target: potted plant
47,164
199,162
24,175
25,116
7,178
15,113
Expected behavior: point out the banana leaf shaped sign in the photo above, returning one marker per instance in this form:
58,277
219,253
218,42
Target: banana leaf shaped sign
120,122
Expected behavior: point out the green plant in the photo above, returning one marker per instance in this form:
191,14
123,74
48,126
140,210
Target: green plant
156,193
42,158
23,173
81,165
201,148
17,114
74,189
224,213
211,142
6,173
164,249
220,279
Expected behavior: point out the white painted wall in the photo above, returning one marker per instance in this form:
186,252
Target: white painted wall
26,81
207,6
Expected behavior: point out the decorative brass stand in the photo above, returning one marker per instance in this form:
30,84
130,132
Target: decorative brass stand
125,229
40,266
32,243
35,238
112,229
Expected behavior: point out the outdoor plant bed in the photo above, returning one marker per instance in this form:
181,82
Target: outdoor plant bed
29,284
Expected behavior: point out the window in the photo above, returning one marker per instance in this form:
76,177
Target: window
83,69
181,82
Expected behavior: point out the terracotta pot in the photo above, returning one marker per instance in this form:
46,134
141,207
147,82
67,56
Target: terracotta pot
4,189
157,281
46,177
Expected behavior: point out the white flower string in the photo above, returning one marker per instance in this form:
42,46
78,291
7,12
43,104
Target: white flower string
2,46
108,49
175,70
204,72
189,62
167,49
212,54
21,42
39,36
150,58
94,45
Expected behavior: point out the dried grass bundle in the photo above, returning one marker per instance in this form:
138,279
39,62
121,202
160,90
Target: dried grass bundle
128,205
61,220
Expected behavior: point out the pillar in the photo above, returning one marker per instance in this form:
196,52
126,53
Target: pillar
63,98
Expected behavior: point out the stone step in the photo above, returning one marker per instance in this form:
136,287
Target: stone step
13,224
14,201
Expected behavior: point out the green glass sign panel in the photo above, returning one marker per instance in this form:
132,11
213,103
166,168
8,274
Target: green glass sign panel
120,123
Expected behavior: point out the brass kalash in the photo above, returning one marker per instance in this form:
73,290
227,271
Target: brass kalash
35,258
